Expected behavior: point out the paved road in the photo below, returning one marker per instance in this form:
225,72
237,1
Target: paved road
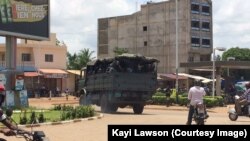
96,130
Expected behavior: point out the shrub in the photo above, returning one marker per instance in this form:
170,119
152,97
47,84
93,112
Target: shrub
33,118
23,119
183,100
41,118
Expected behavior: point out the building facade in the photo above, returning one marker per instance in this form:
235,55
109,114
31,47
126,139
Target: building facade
152,32
43,64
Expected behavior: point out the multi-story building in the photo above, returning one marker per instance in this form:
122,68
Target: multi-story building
152,32
43,63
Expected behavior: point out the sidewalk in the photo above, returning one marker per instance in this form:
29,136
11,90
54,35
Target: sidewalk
184,108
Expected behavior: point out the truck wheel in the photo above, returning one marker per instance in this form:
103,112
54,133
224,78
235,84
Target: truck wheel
104,104
84,100
138,108
113,108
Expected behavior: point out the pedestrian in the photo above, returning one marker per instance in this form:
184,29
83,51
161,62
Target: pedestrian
67,94
195,95
167,92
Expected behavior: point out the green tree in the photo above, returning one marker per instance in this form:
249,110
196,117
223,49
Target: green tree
79,60
71,61
83,57
119,51
240,54
59,43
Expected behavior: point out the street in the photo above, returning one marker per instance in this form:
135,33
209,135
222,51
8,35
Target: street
96,130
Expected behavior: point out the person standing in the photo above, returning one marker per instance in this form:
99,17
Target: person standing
195,95
167,92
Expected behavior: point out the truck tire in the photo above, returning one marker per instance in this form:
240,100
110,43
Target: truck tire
113,108
105,106
84,100
138,108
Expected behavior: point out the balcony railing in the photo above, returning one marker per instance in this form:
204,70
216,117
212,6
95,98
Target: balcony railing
19,64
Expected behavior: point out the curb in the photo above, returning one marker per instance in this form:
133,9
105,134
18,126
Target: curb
181,108
63,122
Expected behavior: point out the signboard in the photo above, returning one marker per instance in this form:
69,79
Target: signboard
19,83
25,18
23,98
55,75
10,100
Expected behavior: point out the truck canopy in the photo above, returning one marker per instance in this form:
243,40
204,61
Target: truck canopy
123,63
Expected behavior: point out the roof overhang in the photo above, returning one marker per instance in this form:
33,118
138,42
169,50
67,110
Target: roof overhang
222,64
53,73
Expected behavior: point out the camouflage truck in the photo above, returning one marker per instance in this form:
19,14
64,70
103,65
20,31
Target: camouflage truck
125,80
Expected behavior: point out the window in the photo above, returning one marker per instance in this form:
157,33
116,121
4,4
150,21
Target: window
205,42
195,24
205,10
145,43
191,59
26,57
48,58
195,41
195,8
145,28
205,26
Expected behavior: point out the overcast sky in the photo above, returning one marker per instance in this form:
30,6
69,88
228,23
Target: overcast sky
75,22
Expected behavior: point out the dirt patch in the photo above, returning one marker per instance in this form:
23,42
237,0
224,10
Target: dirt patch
47,103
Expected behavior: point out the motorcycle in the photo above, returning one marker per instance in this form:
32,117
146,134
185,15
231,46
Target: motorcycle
234,114
32,136
28,136
200,114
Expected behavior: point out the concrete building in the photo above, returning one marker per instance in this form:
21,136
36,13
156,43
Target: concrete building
151,32
43,63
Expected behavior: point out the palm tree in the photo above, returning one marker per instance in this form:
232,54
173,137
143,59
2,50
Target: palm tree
80,60
71,61
83,57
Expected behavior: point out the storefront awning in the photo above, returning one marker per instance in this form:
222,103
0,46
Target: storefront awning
53,73
203,79
171,76
31,74
77,72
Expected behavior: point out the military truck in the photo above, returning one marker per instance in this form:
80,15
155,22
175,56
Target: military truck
125,80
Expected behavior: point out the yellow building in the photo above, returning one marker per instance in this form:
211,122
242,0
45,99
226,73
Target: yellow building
43,63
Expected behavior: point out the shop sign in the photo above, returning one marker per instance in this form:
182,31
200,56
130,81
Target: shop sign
55,75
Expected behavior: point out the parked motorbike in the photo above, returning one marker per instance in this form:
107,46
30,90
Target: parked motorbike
233,114
28,136
200,114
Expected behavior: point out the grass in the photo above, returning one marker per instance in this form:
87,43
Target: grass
58,113
50,115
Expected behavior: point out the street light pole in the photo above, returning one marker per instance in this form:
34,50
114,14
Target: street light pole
220,49
177,51
213,72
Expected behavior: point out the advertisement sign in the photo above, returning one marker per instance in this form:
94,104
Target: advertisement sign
25,18
19,83
23,98
10,101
